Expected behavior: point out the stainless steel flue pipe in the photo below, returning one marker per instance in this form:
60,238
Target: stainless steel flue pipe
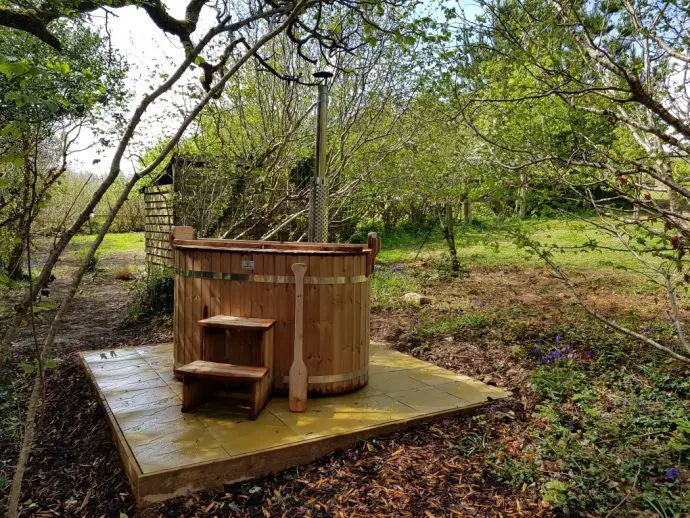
318,199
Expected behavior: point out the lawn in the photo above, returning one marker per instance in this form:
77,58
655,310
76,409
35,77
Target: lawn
125,242
404,263
492,243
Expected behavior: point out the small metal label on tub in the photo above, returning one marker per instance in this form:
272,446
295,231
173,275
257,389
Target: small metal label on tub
247,264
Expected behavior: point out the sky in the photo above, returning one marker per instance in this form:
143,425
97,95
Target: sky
149,51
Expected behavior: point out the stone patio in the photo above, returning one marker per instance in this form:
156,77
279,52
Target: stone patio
168,453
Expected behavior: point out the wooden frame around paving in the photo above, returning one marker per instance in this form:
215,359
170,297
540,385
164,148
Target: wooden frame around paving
150,488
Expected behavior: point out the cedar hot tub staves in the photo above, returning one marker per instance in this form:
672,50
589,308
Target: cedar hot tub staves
255,279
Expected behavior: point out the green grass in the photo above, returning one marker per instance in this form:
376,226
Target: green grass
491,244
113,243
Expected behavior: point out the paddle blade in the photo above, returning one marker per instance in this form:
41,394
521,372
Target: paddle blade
298,387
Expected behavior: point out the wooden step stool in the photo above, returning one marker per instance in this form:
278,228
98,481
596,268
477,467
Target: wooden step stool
199,376
234,349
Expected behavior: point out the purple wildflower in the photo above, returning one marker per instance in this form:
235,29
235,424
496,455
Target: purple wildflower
576,357
672,473
559,338
587,354
545,360
571,427
647,330
644,408
626,404
481,304
568,348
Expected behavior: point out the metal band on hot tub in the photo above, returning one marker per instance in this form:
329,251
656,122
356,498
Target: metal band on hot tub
333,378
276,279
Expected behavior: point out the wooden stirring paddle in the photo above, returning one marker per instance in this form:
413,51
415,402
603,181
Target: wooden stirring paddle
298,369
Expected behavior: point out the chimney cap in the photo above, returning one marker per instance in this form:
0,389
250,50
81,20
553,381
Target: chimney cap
323,74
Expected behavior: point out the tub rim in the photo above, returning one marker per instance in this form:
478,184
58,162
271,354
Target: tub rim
272,247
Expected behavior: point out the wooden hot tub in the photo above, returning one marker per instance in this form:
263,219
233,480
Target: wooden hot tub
255,279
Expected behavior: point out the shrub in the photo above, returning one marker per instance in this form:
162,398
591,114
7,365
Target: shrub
124,274
153,296
93,263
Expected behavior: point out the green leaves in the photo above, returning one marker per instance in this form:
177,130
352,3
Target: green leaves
680,440
30,368
12,69
58,66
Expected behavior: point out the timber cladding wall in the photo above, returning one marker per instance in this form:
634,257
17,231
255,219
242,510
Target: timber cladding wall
158,224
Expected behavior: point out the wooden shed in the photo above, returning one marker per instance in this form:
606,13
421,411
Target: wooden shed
185,194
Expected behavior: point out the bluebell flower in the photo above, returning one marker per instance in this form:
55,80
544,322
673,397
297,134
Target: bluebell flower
568,348
559,338
672,473
576,357
545,360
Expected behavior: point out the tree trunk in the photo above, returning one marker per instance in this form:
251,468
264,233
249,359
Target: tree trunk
15,264
674,203
522,196
466,209
448,226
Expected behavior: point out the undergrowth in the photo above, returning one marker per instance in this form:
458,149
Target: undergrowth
611,429
608,431
152,297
